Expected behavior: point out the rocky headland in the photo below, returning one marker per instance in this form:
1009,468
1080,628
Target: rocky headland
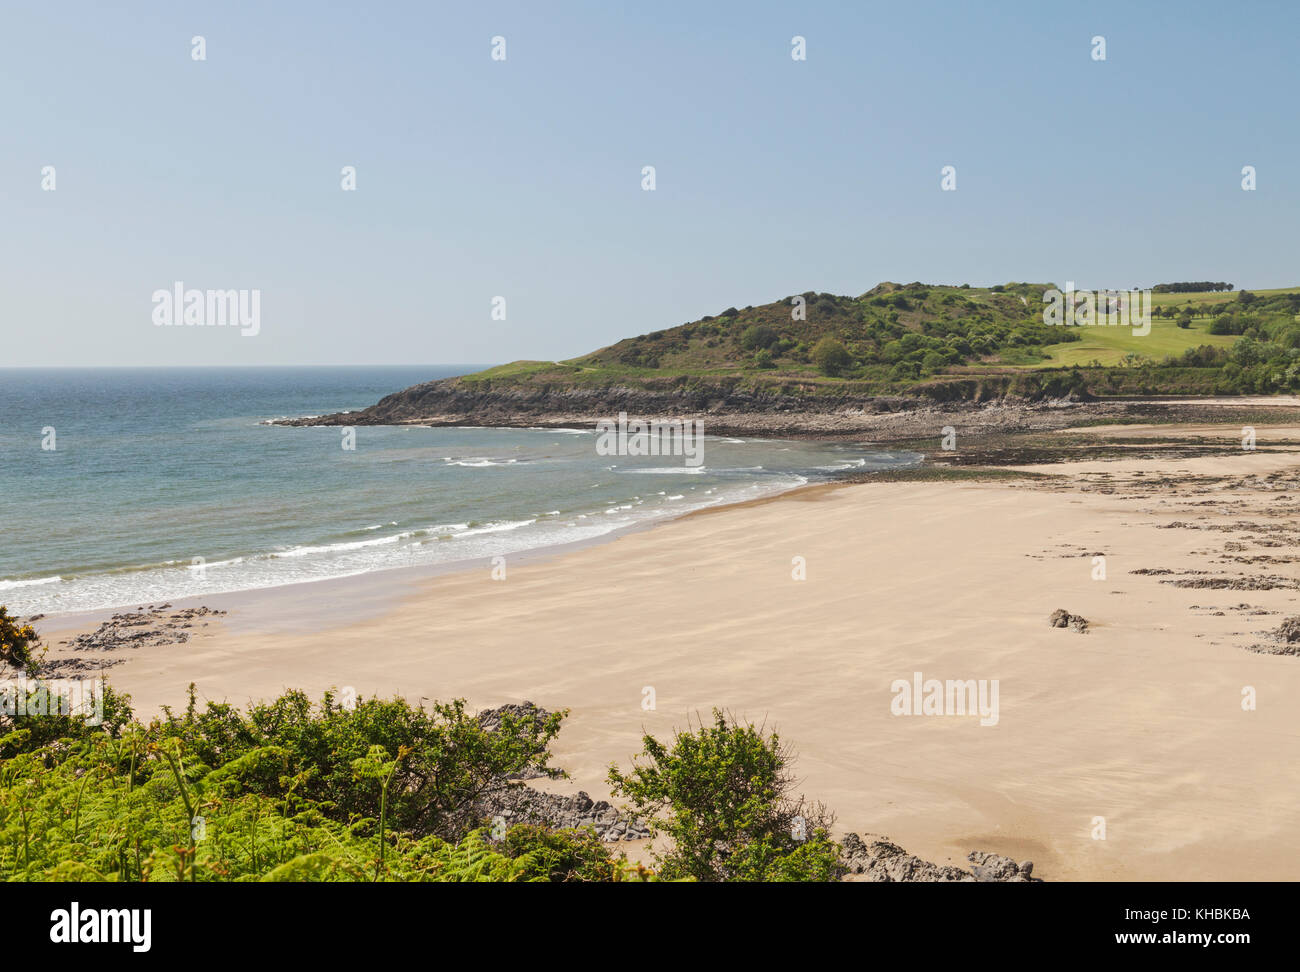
792,409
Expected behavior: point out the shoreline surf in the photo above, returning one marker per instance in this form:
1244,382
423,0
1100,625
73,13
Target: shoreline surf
172,484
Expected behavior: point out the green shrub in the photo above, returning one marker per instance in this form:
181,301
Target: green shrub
932,362
561,855
830,356
758,336
17,642
722,793
452,758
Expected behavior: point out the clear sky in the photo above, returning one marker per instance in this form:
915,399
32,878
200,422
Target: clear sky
522,178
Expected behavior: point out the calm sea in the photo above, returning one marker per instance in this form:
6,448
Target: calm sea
166,483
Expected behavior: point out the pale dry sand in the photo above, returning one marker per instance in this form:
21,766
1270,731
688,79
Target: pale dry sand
1139,721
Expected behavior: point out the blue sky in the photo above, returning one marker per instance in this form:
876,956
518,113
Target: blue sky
522,178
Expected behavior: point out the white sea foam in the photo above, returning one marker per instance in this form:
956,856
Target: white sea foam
841,466
667,471
496,528
9,585
307,562
442,528
305,551
478,462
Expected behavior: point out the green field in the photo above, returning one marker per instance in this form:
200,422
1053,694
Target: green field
1179,300
1109,345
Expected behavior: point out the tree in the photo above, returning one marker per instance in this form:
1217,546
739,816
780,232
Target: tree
758,336
830,356
1223,324
1248,352
722,792
1185,319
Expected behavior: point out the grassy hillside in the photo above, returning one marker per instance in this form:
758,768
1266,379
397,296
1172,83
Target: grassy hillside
884,331
896,337
1109,345
1212,297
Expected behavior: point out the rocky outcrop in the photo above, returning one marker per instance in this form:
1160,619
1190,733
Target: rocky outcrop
1271,582
879,859
994,867
145,627
1062,618
490,719
1284,640
151,627
524,804
516,804
874,858
745,404
455,401
729,404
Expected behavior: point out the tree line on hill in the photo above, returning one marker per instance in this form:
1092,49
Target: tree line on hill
1190,287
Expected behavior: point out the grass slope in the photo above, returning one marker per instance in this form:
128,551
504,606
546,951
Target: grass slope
1109,345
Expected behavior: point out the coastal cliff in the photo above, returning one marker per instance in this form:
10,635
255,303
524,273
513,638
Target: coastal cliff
733,403
737,406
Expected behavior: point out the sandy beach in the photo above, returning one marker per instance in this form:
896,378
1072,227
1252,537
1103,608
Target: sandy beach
1139,721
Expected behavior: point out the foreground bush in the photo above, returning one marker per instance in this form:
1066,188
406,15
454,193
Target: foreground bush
289,791
444,760
722,792
17,642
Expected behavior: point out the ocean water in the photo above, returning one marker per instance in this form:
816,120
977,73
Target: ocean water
167,483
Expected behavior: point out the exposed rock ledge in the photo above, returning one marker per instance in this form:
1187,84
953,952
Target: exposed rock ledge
524,804
724,405
879,859
730,406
